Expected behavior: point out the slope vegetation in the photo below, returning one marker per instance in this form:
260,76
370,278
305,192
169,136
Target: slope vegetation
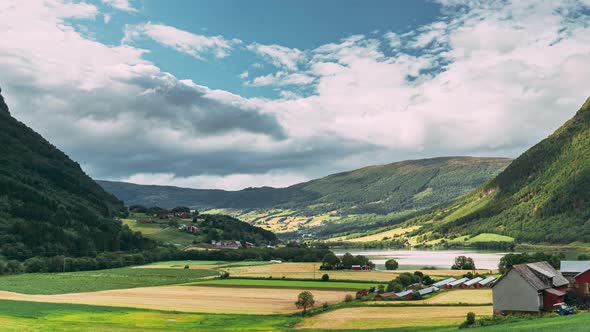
543,196
48,205
372,194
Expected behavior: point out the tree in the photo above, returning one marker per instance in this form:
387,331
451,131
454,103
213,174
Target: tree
325,277
391,264
305,300
463,263
331,260
380,289
348,261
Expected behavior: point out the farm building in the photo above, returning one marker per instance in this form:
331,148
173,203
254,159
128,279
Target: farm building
471,283
388,295
223,244
456,283
360,268
428,290
529,288
581,283
570,269
406,294
487,282
444,282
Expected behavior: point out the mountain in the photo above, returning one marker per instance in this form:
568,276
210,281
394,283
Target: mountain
372,195
543,196
48,205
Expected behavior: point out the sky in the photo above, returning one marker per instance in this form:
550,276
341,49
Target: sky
234,94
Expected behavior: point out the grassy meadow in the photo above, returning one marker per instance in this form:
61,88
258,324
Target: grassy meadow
89,281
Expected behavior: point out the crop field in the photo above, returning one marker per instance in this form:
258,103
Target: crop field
311,271
285,284
89,281
201,264
379,236
16,316
392,317
190,299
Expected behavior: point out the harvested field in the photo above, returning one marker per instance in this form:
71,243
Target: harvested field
306,271
190,299
379,236
391,317
459,296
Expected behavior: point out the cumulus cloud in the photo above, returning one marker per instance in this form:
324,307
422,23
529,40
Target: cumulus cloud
282,78
279,56
124,5
180,40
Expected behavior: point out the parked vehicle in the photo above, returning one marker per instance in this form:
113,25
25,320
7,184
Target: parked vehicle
563,309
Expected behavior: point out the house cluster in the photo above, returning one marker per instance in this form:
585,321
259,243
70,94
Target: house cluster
170,215
477,282
189,228
408,294
230,244
360,268
535,287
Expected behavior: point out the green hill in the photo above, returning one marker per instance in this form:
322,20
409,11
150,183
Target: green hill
48,205
543,196
372,196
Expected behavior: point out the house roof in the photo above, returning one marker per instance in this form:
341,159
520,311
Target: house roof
444,282
574,266
541,275
555,292
473,281
404,293
458,282
579,274
387,294
487,280
428,290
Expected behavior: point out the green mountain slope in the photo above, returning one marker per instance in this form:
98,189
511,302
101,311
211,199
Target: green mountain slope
48,205
372,195
544,195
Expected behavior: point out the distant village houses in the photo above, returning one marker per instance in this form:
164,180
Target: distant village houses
530,288
227,244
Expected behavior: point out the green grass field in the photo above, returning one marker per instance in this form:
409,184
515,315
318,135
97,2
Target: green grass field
90,281
286,284
213,263
36,316
484,237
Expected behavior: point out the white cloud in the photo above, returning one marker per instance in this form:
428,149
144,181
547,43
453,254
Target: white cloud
393,39
282,78
228,182
279,56
244,75
106,18
180,40
124,5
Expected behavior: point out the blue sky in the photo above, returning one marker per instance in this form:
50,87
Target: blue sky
234,94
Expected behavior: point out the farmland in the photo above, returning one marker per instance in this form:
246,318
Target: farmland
89,281
391,317
285,284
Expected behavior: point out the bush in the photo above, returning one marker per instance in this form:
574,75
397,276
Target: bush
325,305
470,318
186,267
348,298
391,264
325,277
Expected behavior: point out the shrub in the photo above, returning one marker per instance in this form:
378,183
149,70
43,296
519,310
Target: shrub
348,298
470,318
186,267
325,277
325,305
391,264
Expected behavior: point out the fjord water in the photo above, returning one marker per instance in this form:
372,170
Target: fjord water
417,259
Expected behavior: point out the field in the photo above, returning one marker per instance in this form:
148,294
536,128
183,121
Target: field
190,299
462,296
201,264
309,270
44,317
378,236
161,231
391,317
285,284
89,281
483,237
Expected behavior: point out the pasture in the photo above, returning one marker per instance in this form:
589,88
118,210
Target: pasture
89,281
392,317
201,264
201,299
392,233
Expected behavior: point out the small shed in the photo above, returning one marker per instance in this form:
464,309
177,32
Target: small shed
471,283
443,282
387,295
356,268
487,282
456,283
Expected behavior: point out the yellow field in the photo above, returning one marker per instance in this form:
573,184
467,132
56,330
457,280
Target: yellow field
391,317
465,296
306,271
379,236
190,299
137,227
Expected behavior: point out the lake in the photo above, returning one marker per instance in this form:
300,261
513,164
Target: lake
415,259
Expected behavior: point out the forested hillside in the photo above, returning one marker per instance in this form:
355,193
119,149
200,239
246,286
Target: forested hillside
372,193
544,195
48,205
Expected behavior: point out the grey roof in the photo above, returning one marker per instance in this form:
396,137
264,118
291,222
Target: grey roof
574,266
555,292
487,280
404,293
473,281
444,282
428,290
541,275
458,282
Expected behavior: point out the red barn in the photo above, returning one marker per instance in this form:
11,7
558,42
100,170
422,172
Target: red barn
582,282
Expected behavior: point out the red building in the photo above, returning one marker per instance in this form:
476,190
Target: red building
582,282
